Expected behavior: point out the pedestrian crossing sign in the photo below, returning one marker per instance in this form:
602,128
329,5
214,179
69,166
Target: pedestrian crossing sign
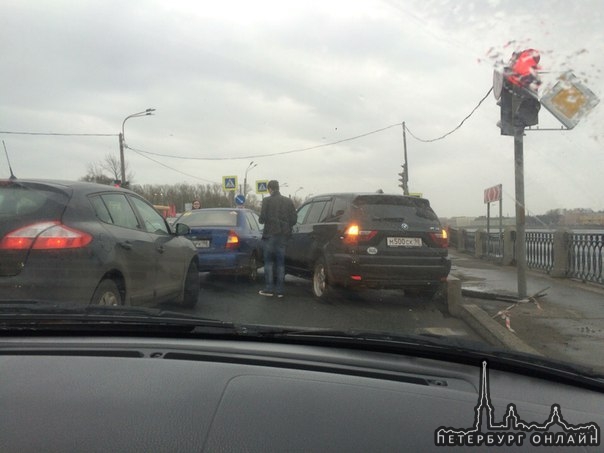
229,183
262,186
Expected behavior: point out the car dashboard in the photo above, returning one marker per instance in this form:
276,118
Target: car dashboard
157,394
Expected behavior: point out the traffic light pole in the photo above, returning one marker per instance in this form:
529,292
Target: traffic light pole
122,160
520,211
405,181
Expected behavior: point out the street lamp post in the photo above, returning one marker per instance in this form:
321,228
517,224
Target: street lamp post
298,190
123,141
249,167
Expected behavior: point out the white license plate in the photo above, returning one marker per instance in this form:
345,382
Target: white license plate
202,244
404,242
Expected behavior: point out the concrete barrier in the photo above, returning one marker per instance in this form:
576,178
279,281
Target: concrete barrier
485,326
454,297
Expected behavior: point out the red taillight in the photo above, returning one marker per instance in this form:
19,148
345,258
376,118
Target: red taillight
354,235
440,239
45,236
232,241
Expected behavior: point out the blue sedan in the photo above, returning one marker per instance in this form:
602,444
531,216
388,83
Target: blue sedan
228,240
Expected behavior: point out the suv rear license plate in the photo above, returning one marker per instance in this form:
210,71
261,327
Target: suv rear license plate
404,242
202,244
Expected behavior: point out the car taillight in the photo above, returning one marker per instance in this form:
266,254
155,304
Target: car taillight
440,239
232,241
353,234
45,236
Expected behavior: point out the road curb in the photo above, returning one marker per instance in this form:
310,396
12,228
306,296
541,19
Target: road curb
491,331
481,322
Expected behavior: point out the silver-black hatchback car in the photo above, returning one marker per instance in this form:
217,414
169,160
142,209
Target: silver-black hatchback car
87,243
370,240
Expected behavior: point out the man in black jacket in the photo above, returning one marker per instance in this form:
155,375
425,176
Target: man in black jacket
278,215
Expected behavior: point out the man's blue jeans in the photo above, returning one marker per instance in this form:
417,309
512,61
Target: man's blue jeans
274,263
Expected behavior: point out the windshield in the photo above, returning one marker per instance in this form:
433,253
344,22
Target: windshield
208,217
419,169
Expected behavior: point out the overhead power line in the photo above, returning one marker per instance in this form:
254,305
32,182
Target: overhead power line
311,148
454,129
173,169
280,153
145,153
57,133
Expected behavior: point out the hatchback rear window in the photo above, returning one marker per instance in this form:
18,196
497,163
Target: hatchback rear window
18,200
204,218
394,209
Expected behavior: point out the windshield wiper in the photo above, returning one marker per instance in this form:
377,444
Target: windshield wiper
41,316
44,315
440,347
377,338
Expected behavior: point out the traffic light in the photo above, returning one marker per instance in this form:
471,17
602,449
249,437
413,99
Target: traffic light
116,183
519,108
403,177
516,89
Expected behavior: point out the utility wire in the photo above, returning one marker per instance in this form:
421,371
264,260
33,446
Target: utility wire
310,148
56,133
454,129
257,156
173,169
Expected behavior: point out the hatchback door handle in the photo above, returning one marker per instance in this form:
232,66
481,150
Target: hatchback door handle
161,249
126,245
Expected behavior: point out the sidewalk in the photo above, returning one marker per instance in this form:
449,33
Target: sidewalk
566,324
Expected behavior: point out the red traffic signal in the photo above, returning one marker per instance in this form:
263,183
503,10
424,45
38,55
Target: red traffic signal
518,101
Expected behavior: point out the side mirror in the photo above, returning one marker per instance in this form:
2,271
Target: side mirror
182,229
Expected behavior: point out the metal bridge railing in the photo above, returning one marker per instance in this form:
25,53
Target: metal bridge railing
585,257
560,253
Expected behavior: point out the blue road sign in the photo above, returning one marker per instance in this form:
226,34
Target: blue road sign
229,183
261,186
240,199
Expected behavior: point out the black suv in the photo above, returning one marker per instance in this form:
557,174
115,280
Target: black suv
370,240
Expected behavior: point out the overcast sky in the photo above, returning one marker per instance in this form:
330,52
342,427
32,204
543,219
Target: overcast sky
235,81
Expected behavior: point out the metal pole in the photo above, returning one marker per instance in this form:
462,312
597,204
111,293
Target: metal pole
249,167
520,211
122,162
488,226
406,175
122,144
500,219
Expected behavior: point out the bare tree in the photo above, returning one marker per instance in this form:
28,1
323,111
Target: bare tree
112,165
106,170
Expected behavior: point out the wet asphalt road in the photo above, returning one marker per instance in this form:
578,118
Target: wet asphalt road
234,299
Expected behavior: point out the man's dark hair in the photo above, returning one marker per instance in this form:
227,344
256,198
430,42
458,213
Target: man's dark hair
273,185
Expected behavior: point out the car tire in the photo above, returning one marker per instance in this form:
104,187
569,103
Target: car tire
107,294
191,287
320,285
252,273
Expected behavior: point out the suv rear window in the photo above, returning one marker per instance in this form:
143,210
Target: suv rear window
393,209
